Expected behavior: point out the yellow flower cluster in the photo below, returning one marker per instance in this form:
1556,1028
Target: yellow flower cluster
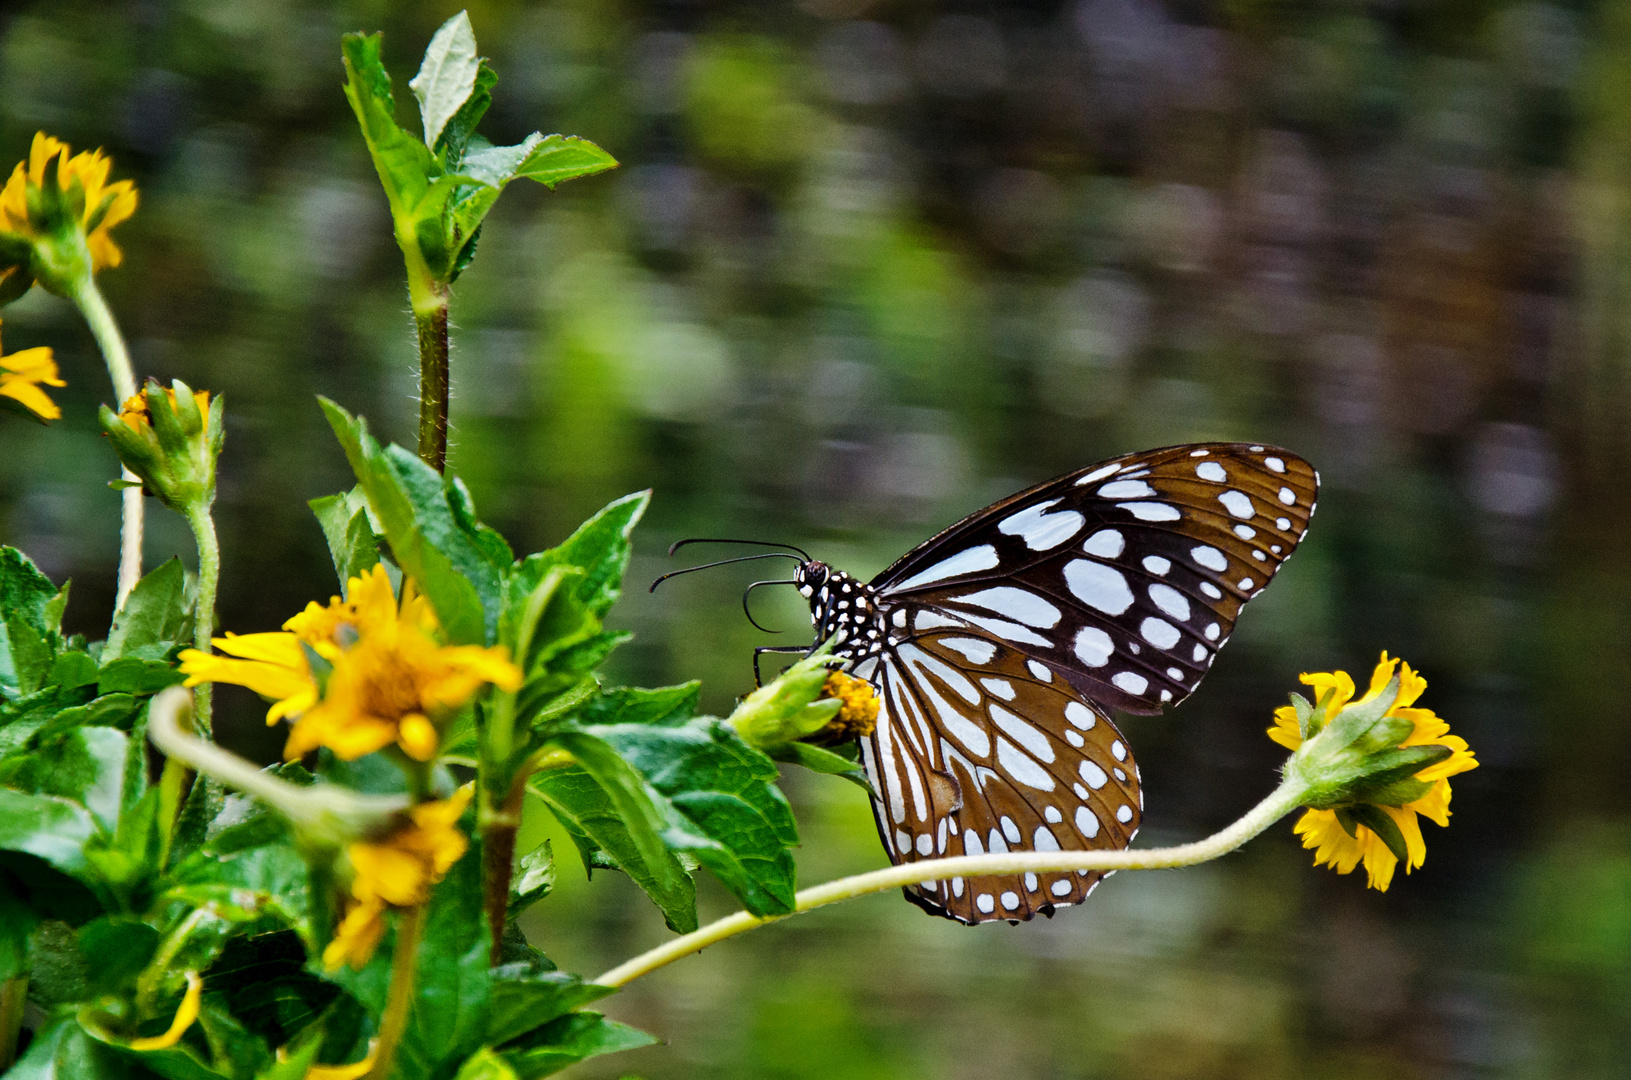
21,376
1323,831
858,715
390,682
98,205
397,871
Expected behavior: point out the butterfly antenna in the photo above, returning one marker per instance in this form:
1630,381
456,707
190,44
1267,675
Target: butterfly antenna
726,562
721,540
749,589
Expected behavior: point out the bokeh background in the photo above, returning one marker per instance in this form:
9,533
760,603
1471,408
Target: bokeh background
867,266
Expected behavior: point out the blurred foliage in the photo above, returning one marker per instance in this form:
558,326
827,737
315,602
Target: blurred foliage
979,245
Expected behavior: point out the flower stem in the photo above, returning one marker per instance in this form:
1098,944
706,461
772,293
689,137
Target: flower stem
393,1024
1284,799
13,999
431,319
209,575
499,824
99,317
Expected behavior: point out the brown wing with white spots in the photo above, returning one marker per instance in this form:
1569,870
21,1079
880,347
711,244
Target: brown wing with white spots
1125,577
980,748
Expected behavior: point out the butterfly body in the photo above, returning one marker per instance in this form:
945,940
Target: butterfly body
999,647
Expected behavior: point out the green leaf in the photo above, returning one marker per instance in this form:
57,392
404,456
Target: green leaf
461,129
115,949
533,880
130,675
667,705
155,616
65,1051
633,803
28,652
404,164
484,1064
601,547
820,760
523,1001
594,819
409,500
262,979
350,536
17,921
570,1039
28,597
55,829
447,76
1377,822
732,817
84,764
559,158
73,669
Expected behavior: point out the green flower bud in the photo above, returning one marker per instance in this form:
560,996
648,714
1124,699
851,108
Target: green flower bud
170,439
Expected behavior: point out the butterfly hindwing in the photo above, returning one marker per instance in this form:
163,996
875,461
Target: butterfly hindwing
979,748
1125,577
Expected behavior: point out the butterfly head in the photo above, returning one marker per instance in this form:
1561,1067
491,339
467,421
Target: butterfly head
841,607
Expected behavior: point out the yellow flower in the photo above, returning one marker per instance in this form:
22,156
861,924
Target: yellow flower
389,682
22,374
397,872
1324,830
92,205
858,715
185,1015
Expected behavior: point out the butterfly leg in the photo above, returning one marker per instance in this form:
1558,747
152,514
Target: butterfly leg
758,680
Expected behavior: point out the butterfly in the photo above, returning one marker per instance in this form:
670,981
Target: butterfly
998,648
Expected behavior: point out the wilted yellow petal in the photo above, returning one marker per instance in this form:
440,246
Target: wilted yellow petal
185,1015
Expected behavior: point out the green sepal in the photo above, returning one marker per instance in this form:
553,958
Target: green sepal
821,760
1378,822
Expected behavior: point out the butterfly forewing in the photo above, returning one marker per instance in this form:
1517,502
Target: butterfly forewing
1124,577
979,748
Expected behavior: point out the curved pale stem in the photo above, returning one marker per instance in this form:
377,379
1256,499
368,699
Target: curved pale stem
99,317
209,575
1286,798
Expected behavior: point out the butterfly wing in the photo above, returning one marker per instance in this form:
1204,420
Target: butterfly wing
1125,577
980,748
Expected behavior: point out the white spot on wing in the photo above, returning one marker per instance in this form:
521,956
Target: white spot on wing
1009,829
1020,766
1106,544
1101,586
1118,751
1087,823
1151,511
1124,813
1001,687
985,903
1040,670
1043,839
1171,601
1209,557
1211,590
1211,470
1237,503
1127,489
1041,530
1130,681
1156,565
1023,733
1093,646
1245,532
976,650
1212,632
1275,463
1008,630
1080,715
1099,474
1060,887
925,844
1021,605
969,561
1159,632
1010,900
1093,775
1287,496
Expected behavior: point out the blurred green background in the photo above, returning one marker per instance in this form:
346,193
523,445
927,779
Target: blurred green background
868,266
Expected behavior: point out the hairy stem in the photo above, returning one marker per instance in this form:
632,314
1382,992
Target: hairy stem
433,379
410,928
209,576
88,298
1282,801
498,828
13,999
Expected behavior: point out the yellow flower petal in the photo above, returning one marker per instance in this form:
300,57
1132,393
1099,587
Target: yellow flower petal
417,737
358,936
345,1072
21,376
185,1015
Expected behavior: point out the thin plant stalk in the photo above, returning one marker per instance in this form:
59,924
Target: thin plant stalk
88,298
209,576
430,317
393,1023
1282,801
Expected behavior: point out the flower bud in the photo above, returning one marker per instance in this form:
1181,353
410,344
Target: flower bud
170,439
